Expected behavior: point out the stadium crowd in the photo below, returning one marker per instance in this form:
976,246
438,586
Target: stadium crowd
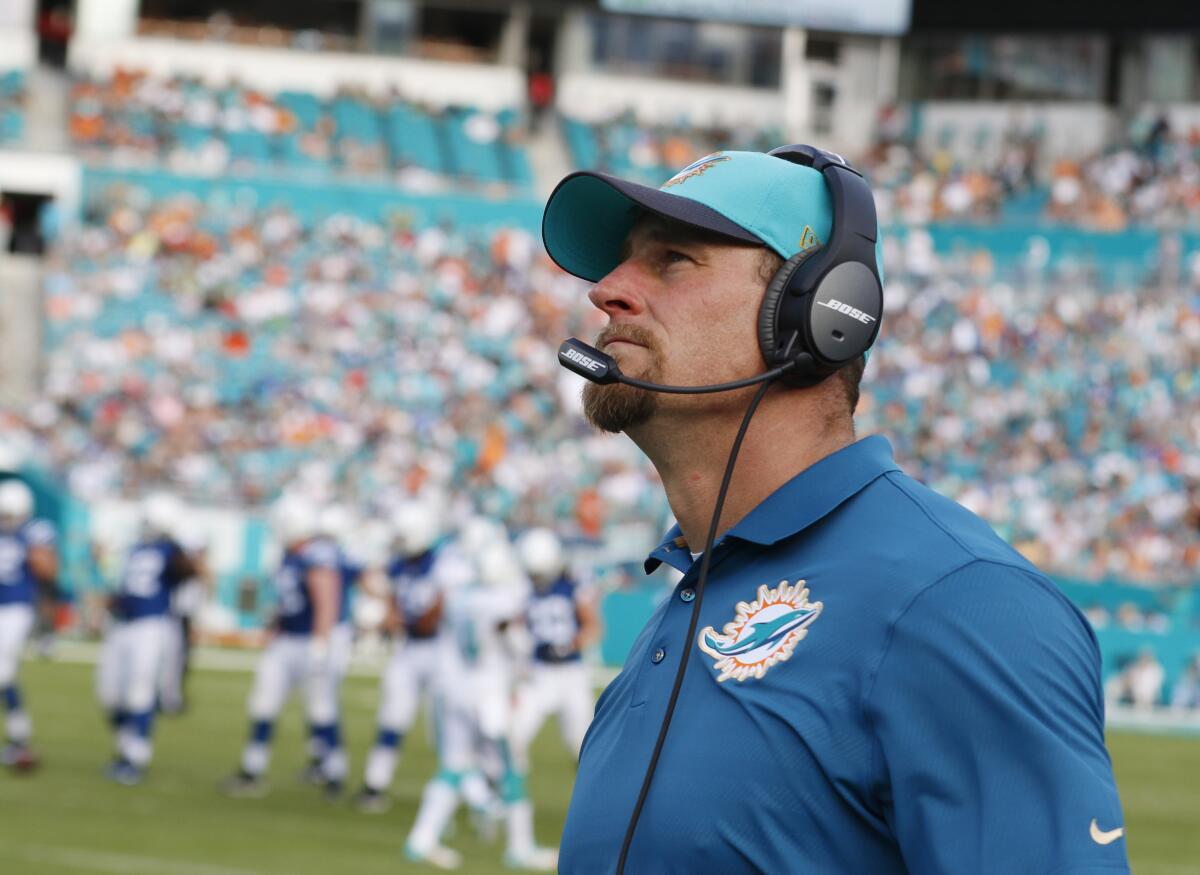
219,349
1150,176
180,122
1061,408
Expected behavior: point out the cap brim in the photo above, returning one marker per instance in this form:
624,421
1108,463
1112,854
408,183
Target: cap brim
589,215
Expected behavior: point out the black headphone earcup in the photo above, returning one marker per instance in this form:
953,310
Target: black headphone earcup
770,343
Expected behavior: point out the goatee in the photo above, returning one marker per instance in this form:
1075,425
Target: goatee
616,407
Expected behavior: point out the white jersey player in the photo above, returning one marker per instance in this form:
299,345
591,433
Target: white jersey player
562,620
28,562
131,660
477,707
417,579
310,651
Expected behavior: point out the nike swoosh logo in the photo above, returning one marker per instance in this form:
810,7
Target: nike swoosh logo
1102,837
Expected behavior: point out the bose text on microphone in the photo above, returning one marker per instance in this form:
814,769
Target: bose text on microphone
587,361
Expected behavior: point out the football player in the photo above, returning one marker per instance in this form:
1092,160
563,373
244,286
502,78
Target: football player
28,562
477,709
309,650
562,620
417,581
131,659
335,526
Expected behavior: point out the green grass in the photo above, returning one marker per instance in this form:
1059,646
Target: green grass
66,819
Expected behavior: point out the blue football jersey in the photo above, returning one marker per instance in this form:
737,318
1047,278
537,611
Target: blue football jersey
152,571
17,583
415,589
291,586
553,620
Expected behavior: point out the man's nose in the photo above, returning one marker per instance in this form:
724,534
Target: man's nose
616,294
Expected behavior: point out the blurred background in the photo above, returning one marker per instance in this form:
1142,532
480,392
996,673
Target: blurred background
266,247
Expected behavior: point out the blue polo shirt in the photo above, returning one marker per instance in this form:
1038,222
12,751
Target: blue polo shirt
879,685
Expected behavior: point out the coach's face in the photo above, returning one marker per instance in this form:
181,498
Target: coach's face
682,309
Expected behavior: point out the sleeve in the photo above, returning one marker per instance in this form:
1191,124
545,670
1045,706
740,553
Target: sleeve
989,725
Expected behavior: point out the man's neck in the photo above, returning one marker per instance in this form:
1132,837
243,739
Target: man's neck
691,452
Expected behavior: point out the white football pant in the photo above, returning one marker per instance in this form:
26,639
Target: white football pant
564,690
16,621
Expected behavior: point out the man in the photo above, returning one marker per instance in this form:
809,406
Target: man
877,682
131,660
561,619
309,650
28,562
417,584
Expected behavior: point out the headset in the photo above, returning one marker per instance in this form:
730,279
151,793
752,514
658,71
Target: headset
821,309
820,312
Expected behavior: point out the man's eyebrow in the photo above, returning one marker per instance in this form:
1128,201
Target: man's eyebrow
679,236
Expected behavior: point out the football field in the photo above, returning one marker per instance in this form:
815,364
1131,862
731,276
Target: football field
68,819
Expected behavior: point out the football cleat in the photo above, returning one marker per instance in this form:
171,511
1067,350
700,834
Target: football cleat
244,785
125,773
19,757
313,774
370,801
438,856
332,790
533,860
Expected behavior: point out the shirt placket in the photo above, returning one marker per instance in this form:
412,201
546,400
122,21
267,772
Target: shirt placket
660,659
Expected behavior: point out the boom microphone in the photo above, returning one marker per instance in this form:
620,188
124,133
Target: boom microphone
592,364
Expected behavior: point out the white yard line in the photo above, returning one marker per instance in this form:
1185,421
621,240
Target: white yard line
121,864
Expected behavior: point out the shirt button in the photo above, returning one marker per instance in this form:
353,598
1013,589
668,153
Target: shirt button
687,595
659,656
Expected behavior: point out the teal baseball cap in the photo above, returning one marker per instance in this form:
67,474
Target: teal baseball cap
750,197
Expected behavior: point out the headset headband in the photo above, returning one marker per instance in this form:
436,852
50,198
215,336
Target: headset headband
855,228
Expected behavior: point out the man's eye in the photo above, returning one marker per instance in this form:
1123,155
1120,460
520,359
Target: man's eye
674,256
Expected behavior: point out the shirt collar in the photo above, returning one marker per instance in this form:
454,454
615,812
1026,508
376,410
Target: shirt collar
809,496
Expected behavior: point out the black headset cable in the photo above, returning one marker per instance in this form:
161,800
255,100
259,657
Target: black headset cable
701,581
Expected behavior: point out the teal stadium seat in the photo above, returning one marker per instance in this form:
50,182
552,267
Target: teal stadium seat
473,158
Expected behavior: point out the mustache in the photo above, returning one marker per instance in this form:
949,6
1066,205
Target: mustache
632,333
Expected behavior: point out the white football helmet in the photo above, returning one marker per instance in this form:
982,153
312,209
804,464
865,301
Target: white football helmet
16,502
336,521
498,568
542,555
294,519
416,527
161,514
480,532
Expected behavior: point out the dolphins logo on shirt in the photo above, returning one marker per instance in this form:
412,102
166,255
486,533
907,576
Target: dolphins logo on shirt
763,633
